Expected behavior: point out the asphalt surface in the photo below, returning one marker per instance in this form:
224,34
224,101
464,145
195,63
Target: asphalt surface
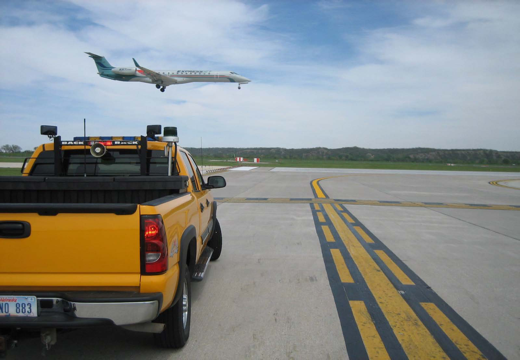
306,276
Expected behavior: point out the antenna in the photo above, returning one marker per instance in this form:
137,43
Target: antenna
84,147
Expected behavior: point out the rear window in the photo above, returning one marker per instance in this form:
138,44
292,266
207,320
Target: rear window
190,170
114,163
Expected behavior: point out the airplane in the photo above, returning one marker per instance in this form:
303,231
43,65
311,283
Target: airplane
163,78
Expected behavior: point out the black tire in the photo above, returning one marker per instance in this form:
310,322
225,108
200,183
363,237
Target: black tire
216,242
175,333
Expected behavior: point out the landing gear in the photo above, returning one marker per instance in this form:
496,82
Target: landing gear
158,86
239,87
162,89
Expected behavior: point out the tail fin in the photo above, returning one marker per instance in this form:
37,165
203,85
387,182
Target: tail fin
101,63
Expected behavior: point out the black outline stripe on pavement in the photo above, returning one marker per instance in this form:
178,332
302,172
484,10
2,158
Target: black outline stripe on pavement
236,200
414,295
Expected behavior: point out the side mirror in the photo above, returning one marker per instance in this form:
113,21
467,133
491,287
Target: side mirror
215,182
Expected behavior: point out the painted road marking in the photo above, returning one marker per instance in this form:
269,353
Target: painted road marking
467,348
405,280
327,233
416,340
237,200
500,183
321,217
347,216
382,308
316,206
342,268
363,234
373,343
243,168
338,206
318,192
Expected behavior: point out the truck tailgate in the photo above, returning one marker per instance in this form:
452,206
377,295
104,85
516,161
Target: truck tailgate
72,250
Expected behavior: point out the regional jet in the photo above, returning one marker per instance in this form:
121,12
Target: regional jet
163,78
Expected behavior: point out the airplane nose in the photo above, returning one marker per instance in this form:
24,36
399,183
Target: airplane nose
244,80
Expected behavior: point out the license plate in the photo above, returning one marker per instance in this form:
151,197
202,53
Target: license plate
22,306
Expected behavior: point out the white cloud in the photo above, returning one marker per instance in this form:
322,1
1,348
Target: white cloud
448,79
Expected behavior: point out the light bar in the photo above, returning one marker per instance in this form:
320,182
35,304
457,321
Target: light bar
93,138
104,142
105,138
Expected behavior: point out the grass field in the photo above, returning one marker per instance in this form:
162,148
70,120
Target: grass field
338,164
341,164
10,172
4,158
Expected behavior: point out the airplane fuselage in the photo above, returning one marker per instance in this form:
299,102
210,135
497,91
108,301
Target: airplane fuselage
181,76
163,78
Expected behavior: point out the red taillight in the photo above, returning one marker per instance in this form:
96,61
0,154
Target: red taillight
154,245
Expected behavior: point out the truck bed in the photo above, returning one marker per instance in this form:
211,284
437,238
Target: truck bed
88,190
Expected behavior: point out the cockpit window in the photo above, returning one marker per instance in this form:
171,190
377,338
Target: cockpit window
234,73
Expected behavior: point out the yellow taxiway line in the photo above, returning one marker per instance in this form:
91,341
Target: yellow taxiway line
383,306
499,183
467,348
414,337
373,343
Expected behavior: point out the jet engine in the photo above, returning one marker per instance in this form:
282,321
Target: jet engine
124,71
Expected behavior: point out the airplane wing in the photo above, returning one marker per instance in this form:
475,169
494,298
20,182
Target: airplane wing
155,76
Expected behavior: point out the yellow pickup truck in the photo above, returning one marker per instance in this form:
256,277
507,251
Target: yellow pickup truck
105,231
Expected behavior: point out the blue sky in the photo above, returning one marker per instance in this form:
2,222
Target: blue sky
325,73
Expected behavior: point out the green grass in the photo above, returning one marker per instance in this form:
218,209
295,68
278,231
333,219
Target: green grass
10,172
4,158
338,164
341,164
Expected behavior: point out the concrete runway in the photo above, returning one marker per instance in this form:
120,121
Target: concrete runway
381,274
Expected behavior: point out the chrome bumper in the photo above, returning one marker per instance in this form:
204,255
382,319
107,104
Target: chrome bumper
75,310
122,313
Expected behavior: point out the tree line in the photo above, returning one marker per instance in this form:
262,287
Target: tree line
418,155
10,149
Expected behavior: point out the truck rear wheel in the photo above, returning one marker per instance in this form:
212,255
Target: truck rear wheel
177,319
216,242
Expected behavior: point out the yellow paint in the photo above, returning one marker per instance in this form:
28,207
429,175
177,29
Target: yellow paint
66,245
321,218
364,235
165,283
347,216
316,206
338,206
394,268
416,340
465,346
70,279
317,188
498,183
373,343
328,234
342,268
